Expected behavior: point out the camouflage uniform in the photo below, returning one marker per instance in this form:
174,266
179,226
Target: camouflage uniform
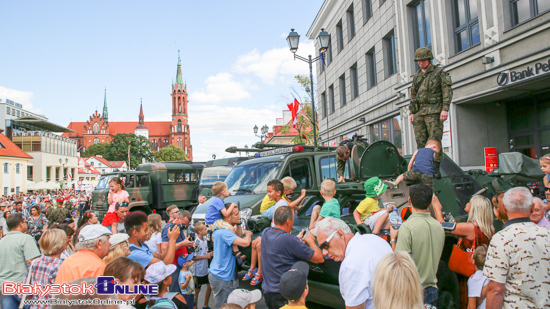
341,164
57,215
432,93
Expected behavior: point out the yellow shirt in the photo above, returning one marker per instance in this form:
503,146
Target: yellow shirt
367,207
266,203
293,307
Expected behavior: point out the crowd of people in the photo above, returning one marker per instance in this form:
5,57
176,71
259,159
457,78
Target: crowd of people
55,239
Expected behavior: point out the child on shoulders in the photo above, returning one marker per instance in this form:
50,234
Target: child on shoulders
421,165
368,212
117,195
331,207
289,184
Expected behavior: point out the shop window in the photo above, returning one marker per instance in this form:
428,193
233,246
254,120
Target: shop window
388,130
523,10
466,25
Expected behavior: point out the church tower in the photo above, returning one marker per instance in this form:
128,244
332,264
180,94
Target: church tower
141,129
180,135
105,112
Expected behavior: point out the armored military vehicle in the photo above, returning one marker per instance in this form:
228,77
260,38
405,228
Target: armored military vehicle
247,184
153,187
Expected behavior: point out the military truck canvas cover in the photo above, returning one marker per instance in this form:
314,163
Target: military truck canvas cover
517,163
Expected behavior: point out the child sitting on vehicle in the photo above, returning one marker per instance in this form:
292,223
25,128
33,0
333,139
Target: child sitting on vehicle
477,282
217,211
368,212
421,165
275,190
331,207
289,184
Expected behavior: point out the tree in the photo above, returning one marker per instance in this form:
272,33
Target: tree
170,153
95,149
304,119
140,149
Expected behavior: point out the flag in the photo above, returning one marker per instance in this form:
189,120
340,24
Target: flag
69,176
128,152
304,136
293,107
322,57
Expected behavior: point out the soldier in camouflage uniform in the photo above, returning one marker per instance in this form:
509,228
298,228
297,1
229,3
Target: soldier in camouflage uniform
431,95
58,214
343,153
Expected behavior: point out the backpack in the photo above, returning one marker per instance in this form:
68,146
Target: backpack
164,302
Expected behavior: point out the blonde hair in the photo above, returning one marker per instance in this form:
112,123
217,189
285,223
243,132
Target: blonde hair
328,187
289,183
396,283
218,187
117,251
154,224
53,241
481,214
199,226
545,159
170,208
435,143
480,253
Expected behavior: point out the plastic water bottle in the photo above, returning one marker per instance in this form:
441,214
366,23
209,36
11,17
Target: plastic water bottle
395,219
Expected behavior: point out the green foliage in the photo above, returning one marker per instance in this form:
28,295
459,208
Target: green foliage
140,148
170,153
304,119
95,149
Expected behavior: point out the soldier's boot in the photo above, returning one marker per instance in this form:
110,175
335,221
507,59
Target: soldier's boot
437,172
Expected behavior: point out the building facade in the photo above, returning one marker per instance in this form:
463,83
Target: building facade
10,111
98,128
495,52
13,162
105,166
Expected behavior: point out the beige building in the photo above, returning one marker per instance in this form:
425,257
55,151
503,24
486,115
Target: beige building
14,163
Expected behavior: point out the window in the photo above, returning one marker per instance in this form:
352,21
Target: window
342,81
7,110
328,168
180,143
331,98
367,10
165,143
339,36
421,25
354,81
389,54
154,143
29,173
18,168
13,111
329,52
388,130
6,168
466,24
16,190
57,175
179,126
96,128
351,22
522,10
18,114
371,68
5,190
48,173
301,172
96,140
324,104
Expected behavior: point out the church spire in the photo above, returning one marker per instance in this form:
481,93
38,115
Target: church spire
141,117
179,78
105,112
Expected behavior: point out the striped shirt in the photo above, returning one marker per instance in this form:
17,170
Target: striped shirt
43,271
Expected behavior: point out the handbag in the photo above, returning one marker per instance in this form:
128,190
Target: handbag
461,261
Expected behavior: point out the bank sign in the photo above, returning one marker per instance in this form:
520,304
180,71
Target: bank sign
510,77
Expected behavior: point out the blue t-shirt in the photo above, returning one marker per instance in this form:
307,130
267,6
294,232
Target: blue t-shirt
423,162
213,212
223,262
280,250
142,255
164,233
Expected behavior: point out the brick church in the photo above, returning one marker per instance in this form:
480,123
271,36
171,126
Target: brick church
98,129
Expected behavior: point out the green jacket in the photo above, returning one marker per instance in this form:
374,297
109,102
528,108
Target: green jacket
57,215
341,164
433,91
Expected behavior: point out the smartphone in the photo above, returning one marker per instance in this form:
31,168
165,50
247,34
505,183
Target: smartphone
306,232
448,226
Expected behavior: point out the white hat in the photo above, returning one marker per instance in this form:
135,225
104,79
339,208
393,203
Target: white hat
243,297
117,239
93,231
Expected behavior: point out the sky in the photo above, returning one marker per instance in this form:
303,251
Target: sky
58,57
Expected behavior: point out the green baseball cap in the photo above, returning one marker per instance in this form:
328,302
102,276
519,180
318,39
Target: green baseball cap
374,187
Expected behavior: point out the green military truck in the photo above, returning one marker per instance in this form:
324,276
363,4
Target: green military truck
247,184
153,187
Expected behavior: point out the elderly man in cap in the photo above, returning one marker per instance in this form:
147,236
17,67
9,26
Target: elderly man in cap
92,246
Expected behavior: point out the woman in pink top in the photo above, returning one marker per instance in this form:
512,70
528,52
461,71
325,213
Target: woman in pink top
117,194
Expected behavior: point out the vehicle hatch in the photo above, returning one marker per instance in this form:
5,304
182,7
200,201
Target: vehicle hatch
381,159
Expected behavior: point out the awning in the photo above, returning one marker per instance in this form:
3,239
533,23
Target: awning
37,124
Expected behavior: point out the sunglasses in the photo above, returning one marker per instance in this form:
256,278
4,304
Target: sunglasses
546,189
325,245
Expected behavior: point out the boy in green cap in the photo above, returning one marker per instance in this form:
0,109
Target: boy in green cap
368,212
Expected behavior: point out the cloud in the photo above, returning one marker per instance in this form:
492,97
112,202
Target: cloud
272,63
22,97
221,88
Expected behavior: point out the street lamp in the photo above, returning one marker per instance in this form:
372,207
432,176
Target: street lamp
63,168
263,131
293,40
